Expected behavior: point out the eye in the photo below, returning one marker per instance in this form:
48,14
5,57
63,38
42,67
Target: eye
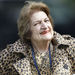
47,20
37,23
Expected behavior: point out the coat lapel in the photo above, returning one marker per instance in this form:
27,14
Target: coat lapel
60,63
23,67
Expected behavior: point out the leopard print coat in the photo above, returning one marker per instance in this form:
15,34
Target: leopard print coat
17,59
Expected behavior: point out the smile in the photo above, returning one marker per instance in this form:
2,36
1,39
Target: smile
45,32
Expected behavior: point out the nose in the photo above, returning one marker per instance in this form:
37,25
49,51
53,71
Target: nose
44,26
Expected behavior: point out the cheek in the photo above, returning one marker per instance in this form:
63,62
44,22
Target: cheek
35,32
36,29
50,27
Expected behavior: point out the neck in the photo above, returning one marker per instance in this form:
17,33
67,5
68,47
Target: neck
41,46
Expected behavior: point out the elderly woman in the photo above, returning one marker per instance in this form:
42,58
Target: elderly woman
40,50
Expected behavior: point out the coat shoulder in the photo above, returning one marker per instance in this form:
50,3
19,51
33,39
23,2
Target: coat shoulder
11,54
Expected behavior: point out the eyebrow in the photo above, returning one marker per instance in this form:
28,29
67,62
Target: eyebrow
40,20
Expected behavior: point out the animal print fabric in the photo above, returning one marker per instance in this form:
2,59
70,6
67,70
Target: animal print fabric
17,59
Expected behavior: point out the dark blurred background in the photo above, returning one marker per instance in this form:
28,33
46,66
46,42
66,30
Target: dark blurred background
62,12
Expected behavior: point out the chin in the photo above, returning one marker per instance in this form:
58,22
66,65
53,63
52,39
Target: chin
47,38
44,37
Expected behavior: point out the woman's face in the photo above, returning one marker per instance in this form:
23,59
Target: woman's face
41,27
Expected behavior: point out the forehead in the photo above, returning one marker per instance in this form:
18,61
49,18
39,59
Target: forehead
38,16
